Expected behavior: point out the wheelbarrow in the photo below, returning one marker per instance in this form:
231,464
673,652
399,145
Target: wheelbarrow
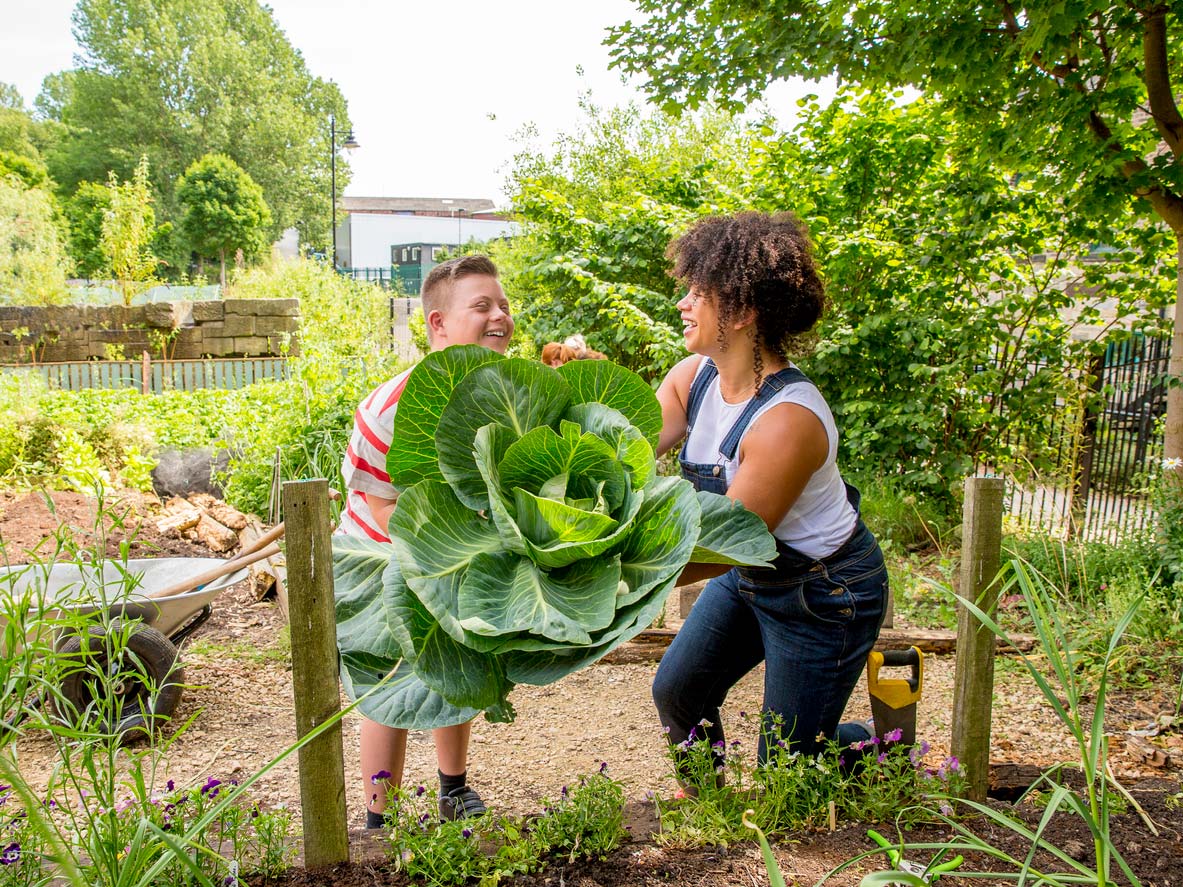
144,609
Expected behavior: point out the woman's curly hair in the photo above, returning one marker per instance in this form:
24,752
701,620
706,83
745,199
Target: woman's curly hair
754,261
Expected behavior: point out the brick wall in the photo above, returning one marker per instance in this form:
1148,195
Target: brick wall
185,330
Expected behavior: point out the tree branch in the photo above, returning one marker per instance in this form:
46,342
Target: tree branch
1167,205
1158,81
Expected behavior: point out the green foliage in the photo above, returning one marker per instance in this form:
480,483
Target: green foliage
947,272
33,261
867,782
1079,100
107,816
129,223
85,211
531,537
585,822
222,210
598,212
1065,686
1096,584
1166,498
32,173
190,79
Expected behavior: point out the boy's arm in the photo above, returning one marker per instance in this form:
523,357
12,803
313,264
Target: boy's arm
381,508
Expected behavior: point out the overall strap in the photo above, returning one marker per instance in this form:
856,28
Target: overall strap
769,388
698,389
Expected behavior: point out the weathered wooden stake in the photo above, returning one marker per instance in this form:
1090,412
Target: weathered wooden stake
314,670
973,689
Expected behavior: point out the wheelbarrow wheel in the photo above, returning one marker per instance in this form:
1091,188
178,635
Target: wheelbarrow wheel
130,691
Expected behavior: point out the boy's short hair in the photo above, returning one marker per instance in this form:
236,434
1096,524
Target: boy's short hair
436,293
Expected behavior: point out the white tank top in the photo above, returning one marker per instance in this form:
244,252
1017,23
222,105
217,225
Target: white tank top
821,520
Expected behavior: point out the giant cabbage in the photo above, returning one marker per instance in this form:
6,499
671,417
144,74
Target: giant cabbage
532,536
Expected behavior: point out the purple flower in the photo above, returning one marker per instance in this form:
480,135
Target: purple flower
859,744
603,766
170,786
379,776
229,881
946,809
564,792
423,819
467,833
693,734
743,715
780,743
11,854
924,747
420,790
841,761
953,764
894,735
882,759
211,787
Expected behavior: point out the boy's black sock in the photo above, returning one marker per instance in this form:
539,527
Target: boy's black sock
375,820
451,783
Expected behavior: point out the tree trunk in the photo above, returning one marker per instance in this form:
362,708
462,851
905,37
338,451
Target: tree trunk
1173,433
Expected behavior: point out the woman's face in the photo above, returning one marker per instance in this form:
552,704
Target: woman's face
700,321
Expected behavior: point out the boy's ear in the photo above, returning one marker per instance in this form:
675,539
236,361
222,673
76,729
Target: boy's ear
435,321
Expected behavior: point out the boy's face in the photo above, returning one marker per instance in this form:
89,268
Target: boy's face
477,314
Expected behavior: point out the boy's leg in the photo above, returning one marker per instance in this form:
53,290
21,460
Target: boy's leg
451,748
457,799
382,749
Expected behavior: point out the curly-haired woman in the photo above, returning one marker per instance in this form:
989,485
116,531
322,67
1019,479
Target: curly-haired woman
757,430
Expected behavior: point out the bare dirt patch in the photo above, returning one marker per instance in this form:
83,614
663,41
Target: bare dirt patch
239,700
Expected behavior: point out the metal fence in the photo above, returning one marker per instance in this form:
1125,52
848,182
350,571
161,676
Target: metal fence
1102,453
155,376
404,278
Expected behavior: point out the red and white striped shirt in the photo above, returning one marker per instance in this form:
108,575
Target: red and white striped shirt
364,468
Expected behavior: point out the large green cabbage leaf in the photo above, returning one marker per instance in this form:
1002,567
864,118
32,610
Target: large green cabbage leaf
532,536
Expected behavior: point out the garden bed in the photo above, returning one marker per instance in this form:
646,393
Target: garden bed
240,702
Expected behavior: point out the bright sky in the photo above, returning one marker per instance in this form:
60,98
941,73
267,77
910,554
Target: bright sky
435,93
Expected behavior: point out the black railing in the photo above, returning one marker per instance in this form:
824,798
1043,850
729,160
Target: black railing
1100,448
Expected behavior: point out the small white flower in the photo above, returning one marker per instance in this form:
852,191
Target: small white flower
1172,463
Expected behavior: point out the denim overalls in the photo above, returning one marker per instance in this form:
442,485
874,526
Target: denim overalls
812,622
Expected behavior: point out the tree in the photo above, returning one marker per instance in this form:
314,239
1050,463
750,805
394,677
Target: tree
85,211
129,224
178,80
222,209
32,262
1083,92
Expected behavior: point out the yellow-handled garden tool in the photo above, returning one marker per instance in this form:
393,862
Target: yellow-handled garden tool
894,700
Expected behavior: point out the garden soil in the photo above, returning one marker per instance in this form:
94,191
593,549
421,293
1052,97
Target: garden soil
238,706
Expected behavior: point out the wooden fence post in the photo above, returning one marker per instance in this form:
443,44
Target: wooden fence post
314,670
973,689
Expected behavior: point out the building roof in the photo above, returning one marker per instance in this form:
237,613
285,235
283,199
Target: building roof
470,205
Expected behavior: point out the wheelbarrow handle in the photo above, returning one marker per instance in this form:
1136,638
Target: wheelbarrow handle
266,539
223,569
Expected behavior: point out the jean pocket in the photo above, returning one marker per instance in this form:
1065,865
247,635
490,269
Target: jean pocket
827,600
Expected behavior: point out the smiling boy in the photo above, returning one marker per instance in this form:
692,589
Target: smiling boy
463,304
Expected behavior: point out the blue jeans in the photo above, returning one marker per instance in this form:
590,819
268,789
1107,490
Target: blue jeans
811,622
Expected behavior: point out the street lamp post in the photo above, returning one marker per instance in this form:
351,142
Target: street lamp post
349,144
459,213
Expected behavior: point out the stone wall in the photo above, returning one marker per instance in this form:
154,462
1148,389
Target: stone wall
173,330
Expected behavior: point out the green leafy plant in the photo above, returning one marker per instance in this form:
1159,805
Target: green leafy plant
868,781
585,821
532,535
1065,691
